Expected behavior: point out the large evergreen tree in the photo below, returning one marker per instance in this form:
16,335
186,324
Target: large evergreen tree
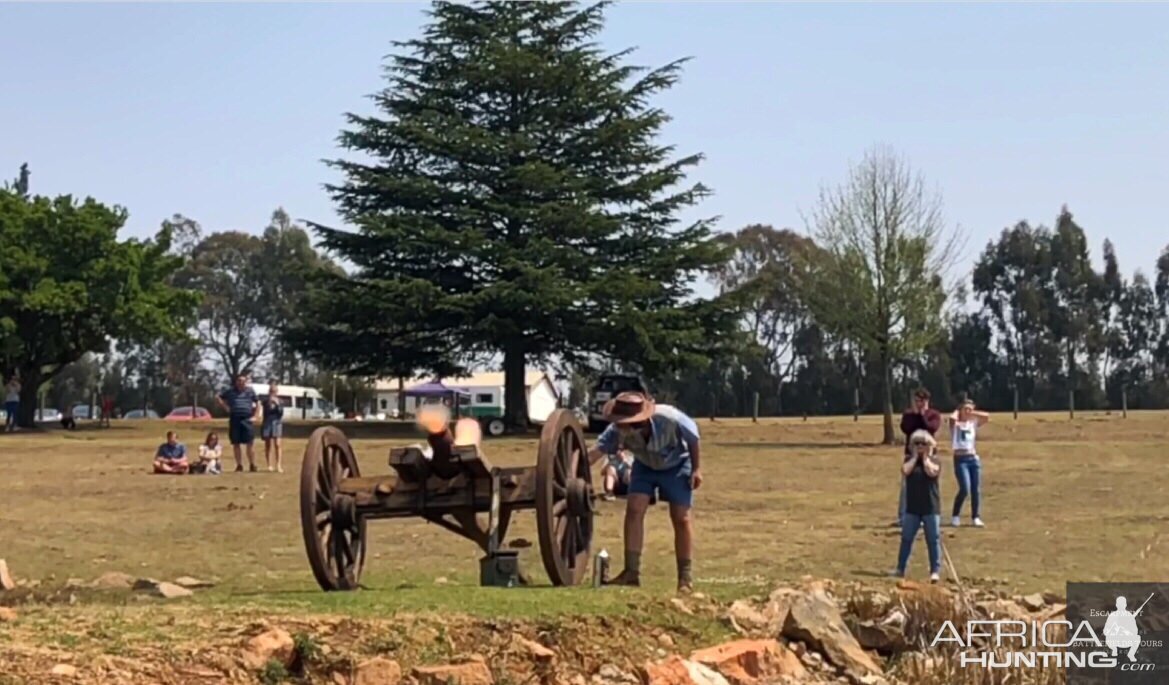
511,198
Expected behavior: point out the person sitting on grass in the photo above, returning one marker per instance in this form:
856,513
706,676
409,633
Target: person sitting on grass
665,447
923,504
171,456
210,456
615,475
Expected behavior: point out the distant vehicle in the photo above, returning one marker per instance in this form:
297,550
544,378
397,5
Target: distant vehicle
300,402
185,414
83,411
609,386
47,415
139,414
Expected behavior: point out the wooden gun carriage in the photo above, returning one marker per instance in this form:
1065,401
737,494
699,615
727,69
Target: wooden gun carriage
455,487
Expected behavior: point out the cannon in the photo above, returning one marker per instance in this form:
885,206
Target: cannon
453,486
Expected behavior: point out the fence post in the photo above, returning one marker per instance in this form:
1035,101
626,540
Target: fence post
755,411
856,404
1124,402
304,406
1071,404
1016,405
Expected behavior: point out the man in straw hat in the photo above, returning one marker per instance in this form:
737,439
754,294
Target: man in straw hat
665,447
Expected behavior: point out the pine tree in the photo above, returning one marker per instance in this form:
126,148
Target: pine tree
515,202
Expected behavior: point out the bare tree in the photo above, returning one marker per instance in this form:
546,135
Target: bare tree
880,276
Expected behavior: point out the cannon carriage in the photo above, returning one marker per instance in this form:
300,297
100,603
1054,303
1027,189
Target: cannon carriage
454,486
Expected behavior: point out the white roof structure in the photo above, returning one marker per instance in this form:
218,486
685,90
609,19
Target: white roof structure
486,379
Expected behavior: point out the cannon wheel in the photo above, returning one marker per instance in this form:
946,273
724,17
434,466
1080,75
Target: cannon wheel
564,499
333,539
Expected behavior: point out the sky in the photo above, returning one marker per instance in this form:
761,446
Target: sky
223,112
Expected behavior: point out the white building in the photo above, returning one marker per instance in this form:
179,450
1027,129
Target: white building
486,394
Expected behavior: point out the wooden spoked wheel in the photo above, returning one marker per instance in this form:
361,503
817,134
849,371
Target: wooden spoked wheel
564,499
334,536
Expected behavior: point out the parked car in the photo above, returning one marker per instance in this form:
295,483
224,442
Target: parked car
47,415
139,414
608,387
85,412
185,414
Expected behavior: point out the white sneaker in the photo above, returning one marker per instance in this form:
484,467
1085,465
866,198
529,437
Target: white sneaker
956,521
934,578
978,523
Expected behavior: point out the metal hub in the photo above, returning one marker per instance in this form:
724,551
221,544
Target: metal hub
580,496
344,512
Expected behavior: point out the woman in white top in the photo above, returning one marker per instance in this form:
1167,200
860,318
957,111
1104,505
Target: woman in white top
11,403
964,425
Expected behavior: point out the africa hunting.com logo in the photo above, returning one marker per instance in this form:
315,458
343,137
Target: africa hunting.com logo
1099,640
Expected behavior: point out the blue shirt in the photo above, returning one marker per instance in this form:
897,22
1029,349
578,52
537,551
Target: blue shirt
673,435
169,451
240,403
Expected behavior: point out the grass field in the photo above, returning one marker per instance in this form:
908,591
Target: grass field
1081,499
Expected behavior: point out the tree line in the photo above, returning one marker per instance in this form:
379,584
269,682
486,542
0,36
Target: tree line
511,203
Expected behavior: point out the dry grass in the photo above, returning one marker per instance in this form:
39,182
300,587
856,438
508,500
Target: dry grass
1064,500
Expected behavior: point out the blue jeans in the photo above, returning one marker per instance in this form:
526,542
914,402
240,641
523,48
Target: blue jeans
11,408
910,523
968,471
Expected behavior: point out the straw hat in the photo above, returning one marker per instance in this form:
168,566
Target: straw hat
628,407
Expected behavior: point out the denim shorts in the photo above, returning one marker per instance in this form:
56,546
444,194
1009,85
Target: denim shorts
272,429
672,484
241,431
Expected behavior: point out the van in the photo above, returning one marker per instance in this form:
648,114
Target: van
299,402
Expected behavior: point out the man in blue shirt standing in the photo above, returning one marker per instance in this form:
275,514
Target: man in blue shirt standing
242,406
665,447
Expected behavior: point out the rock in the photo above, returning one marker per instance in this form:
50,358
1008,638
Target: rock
272,644
1053,612
473,671
1002,609
535,650
885,638
870,679
339,678
5,577
745,616
665,640
679,671
171,591
681,606
1033,602
377,671
442,580
744,662
192,583
7,615
1053,598
64,670
815,619
73,583
611,675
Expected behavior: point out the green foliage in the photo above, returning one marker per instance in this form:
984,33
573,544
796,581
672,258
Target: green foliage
516,202
274,673
878,277
68,285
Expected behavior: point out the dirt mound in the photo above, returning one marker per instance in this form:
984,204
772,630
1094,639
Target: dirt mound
817,632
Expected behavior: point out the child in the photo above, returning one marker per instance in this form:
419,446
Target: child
616,473
964,425
923,506
210,456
